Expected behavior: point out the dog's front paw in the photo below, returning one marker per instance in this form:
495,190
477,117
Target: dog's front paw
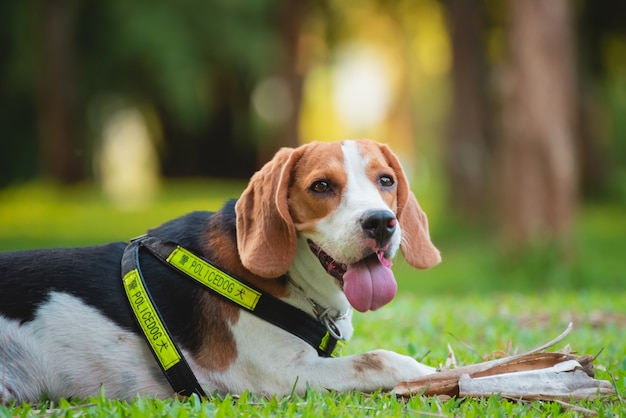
383,369
403,367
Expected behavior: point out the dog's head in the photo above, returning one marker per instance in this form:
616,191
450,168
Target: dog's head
350,201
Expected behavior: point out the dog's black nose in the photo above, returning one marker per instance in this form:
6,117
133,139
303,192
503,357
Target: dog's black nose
380,225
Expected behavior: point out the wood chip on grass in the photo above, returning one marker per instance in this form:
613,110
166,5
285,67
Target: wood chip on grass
535,375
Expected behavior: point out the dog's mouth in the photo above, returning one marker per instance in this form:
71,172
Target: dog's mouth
335,269
368,284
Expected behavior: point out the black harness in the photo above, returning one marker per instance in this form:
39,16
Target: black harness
320,333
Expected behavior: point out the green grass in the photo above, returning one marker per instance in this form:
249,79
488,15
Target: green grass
42,215
477,301
474,326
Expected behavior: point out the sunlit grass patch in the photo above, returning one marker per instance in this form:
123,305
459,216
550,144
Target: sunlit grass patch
43,215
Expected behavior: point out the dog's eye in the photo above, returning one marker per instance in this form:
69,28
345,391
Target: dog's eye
386,181
320,186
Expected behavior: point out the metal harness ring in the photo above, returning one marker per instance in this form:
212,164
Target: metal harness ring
330,324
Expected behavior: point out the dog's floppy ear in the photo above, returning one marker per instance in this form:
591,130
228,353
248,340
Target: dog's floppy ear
266,235
416,246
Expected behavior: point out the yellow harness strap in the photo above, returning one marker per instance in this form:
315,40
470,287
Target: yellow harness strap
322,335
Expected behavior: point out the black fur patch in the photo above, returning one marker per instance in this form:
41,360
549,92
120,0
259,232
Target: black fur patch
93,274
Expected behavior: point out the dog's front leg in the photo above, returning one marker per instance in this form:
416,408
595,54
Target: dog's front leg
285,371
368,372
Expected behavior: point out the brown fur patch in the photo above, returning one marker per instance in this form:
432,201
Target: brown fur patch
219,349
378,165
224,254
366,362
416,246
322,162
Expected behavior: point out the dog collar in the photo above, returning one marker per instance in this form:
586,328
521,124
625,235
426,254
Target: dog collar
318,332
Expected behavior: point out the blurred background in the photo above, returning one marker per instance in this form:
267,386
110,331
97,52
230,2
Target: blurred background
509,117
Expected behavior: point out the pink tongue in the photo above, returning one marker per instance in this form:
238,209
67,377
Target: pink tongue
369,284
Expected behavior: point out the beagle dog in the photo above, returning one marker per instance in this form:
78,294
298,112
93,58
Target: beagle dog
316,228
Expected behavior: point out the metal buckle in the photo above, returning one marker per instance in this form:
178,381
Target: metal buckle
330,324
140,237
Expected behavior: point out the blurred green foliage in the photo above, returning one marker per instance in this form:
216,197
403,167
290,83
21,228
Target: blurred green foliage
194,64
191,63
169,52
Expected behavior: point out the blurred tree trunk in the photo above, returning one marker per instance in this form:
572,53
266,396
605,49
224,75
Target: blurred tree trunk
61,156
467,139
292,16
539,170
291,70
